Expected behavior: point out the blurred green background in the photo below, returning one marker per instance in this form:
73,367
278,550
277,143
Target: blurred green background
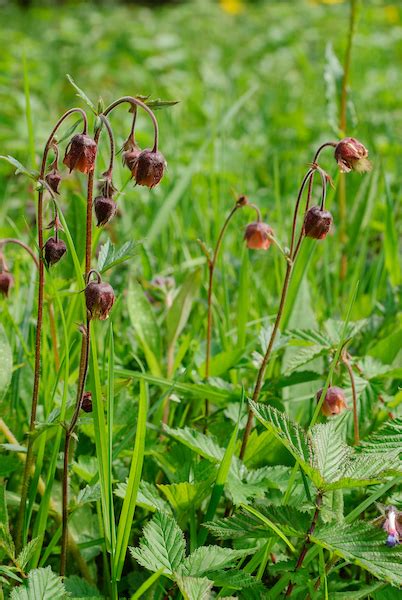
258,85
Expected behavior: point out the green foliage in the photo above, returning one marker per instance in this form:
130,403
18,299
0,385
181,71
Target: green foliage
42,583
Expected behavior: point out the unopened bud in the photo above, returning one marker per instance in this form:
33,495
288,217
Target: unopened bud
149,168
334,402
99,297
258,236
53,180
86,403
317,223
6,282
351,155
81,153
105,209
54,250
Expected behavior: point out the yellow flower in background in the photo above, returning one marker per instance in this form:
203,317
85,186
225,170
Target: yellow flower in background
392,14
327,1
233,7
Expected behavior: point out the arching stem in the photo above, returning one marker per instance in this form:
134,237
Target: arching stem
39,322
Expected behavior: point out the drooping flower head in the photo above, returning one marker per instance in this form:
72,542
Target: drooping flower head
334,402
6,282
148,168
317,223
351,155
105,209
258,236
54,250
81,153
99,297
86,402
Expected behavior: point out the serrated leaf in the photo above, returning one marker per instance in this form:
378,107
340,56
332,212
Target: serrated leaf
194,588
363,545
237,580
204,445
147,497
157,104
209,558
79,588
292,436
26,553
304,356
162,545
110,256
329,450
82,94
184,495
179,312
6,362
42,583
387,438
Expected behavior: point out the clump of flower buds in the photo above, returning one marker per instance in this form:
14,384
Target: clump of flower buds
258,236
334,402
86,403
53,180
6,282
81,153
54,250
317,223
99,298
351,155
148,168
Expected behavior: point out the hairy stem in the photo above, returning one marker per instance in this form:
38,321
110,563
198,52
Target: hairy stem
342,127
349,369
67,443
135,102
306,544
293,253
39,322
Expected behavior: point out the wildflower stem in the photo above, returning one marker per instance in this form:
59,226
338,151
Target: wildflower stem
293,253
39,321
306,544
5,241
135,102
69,433
111,138
346,362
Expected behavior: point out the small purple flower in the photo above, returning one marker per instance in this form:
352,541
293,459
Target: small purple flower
392,527
392,541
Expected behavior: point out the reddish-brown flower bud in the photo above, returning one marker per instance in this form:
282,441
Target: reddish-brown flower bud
351,155
334,403
317,223
6,281
99,297
149,168
130,159
258,236
81,153
54,250
86,403
105,209
53,180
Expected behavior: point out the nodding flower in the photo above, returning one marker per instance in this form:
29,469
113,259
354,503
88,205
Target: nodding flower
351,155
334,402
148,168
258,236
317,223
99,298
392,527
6,281
81,153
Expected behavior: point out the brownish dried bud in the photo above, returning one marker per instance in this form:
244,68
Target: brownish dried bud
54,250
81,153
242,201
334,403
258,236
149,168
351,155
53,180
86,403
317,223
99,297
6,282
105,209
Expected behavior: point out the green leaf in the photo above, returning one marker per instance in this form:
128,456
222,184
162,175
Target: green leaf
223,362
20,169
184,495
204,445
194,588
329,450
264,519
179,312
41,583
82,94
292,436
157,104
27,553
6,362
144,323
162,545
391,243
147,496
304,356
110,257
387,438
209,558
79,588
363,545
